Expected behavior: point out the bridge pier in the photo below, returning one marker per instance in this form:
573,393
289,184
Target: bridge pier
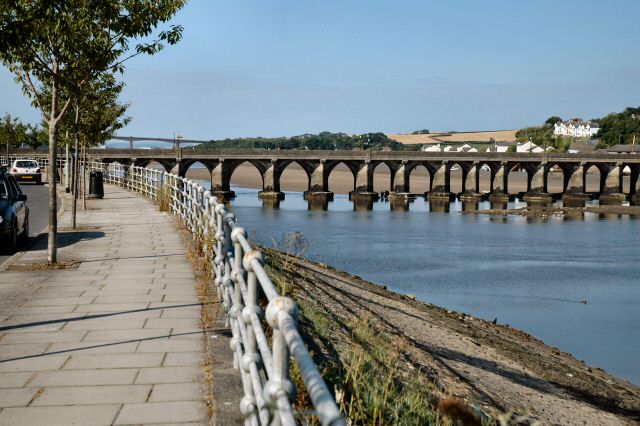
400,183
471,184
441,184
271,182
612,191
363,191
499,180
634,184
575,189
319,184
537,185
220,181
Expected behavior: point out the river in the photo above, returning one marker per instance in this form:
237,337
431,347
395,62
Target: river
572,283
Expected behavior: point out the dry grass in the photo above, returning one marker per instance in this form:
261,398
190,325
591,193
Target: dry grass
163,199
42,266
194,245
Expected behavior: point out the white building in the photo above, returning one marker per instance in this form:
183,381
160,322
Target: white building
576,128
528,147
449,148
431,148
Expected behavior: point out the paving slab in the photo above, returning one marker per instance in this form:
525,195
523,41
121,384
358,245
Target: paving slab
116,339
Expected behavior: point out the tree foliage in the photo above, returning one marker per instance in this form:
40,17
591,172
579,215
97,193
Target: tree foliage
96,114
620,127
322,141
14,134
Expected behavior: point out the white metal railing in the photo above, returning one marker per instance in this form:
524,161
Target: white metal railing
239,276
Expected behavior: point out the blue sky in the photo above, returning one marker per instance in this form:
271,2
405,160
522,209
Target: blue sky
285,67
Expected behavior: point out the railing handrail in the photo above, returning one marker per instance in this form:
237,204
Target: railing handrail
239,274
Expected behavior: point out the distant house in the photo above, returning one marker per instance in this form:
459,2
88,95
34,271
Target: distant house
431,148
466,148
499,147
528,147
576,128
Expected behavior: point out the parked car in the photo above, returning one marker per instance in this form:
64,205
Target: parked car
26,170
14,214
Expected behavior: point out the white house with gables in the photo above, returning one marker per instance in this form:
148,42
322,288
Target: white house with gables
576,128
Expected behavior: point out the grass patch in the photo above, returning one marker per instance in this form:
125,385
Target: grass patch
163,198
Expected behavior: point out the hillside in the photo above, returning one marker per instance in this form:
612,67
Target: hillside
457,137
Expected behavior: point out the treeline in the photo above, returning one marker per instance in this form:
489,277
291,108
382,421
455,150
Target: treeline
321,141
15,134
620,127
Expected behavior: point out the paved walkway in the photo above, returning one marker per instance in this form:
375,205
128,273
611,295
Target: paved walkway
115,340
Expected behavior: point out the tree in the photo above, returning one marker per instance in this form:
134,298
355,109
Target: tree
66,44
620,127
12,133
551,121
95,116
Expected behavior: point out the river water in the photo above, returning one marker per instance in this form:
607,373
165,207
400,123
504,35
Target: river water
574,283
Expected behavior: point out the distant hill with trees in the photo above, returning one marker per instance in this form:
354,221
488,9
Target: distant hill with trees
321,141
620,127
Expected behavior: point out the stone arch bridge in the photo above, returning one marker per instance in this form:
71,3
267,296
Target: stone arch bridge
318,165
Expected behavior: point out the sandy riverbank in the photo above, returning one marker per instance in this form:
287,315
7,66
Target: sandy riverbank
341,180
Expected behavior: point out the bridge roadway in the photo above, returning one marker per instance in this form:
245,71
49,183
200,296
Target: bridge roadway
319,164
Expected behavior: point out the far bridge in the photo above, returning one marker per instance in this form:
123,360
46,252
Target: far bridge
318,165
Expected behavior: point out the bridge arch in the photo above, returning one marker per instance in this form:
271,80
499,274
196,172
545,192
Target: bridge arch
594,176
457,173
341,176
420,177
558,175
294,176
196,170
382,176
246,173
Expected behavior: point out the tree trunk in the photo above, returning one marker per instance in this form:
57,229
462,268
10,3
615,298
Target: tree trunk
74,203
76,161
84,177
67,172
52,252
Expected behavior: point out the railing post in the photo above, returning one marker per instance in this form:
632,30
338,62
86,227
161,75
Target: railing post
251,358
279,385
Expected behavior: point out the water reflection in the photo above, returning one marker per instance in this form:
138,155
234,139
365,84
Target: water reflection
498,205
271,203
400,204
470,206
321,204
439,206
362,205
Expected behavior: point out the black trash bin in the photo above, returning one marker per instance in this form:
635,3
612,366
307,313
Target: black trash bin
96,188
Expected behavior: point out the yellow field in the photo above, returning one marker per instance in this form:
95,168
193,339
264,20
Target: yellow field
441,137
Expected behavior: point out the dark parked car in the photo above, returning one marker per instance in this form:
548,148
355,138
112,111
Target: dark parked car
14,214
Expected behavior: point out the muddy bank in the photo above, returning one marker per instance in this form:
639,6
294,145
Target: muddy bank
492,367
548,211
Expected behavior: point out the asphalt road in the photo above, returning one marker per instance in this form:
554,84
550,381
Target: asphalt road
38,202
